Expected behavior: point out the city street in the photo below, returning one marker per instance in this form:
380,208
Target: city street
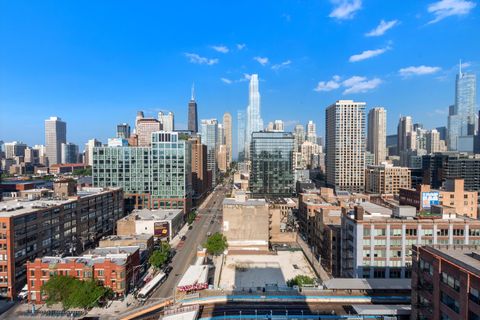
185,255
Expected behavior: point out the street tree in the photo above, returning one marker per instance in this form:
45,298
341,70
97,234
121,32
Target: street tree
216,244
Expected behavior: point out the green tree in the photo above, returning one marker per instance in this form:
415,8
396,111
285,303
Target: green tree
83,172
74,293
216,244
160,256
300,280
191,217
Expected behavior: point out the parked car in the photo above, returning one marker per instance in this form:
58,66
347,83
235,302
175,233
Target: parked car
183,238
167,269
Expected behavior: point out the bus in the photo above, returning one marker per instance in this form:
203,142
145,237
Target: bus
148,288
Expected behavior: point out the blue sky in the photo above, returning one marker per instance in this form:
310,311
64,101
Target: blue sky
95,63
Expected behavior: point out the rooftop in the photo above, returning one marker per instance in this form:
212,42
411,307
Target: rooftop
139,236
465,256
245,202
157,214
367,284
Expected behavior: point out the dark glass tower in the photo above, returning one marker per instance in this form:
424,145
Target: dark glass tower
192,113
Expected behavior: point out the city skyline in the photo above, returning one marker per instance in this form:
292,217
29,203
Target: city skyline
76,84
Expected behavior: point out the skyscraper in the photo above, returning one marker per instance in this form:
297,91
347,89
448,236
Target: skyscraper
254,119
462,119
144,130
272,164
69,153
278,126
167,122
345,145
55,135
227,130
123,131
299,135
89,146
377,134
209,129
192,113
404,134
241,134
311,132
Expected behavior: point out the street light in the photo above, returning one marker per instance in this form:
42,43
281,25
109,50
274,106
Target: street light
240,314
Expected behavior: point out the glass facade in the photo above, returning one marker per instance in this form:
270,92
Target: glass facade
272,164
161,172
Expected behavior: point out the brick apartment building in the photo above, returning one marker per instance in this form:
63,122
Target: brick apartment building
113,267
45,226
446,282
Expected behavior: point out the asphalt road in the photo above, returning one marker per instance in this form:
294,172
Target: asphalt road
186,254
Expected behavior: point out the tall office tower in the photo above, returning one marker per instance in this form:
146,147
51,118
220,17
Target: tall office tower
311,132
272,164
200,181
31,156
227,130
210,138
278,126
192,113
145,173
241,135
377,134
167,122
89,146
55,135
299,136
404,133
443,132
433,141
14,149
345,145
69,153
42,154
462,119
123,131
254,119
145,128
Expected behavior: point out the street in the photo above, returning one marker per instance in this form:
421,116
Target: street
195,237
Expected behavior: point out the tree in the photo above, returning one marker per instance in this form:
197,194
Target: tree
74,293
160,256
300,280
82,172
191,217
216,244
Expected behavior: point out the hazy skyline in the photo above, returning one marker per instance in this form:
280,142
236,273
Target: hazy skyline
94,64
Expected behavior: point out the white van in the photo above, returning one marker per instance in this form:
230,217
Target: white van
23,293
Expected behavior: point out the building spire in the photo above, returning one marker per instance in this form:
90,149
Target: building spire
193,92
460,68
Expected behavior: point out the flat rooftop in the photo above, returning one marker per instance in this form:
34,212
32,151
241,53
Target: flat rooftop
465,256
105,251
138,236
367,284
11,207
246,202
263,270
157,214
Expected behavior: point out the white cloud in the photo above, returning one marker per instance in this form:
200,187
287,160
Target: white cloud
355,84
367,54
262,60
282,65
221,49
345,9
466,64
446,8
197,59
418,71
358,84
328,85
383,27
241,46
442,112
246,77
226,80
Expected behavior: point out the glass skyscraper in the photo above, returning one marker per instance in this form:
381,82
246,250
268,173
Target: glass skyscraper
462,119
210,138
254,119
272,164
154,177
241,135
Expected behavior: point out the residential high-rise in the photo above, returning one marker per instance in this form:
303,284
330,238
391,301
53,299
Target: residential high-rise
69,153
345,145
92,143
272,164
192,113
311,132
227,131
145,128
200,181
14,149
222,158
404,134
123,131
55,135
241,135
32,156
210,138
167,121
433,141
299,136
386,179
462,119
377,134
254,119
278,126
152,177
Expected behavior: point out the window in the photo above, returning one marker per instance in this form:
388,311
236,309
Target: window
450,281
474,295
450,302
100,273
426,266
410,232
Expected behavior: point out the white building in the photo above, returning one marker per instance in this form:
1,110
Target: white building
377,134
167,122
254,121
92,143
55,135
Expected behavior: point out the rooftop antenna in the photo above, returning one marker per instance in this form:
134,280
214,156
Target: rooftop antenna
460,68
193,91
